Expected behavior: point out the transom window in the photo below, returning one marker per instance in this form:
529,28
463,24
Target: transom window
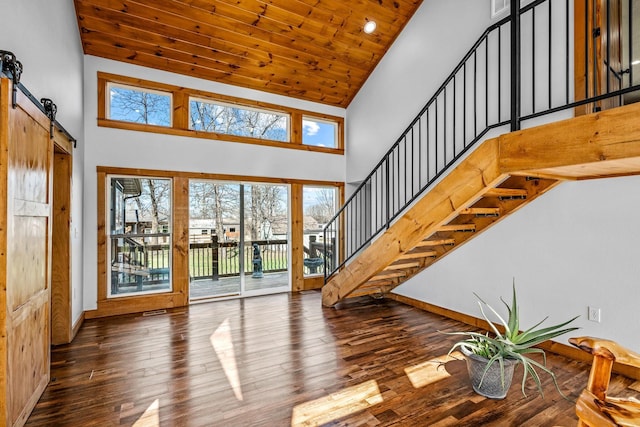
319,132
136,105
212,116
147,106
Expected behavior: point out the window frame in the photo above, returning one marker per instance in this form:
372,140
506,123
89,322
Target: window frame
336,132
180,225
336,201
109,236
180,117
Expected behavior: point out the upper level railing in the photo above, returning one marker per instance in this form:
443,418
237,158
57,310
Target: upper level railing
558,59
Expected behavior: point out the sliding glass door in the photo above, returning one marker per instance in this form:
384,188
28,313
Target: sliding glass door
238,239
266,237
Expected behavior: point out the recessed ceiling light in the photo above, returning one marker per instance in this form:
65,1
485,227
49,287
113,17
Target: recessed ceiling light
370,27
636,62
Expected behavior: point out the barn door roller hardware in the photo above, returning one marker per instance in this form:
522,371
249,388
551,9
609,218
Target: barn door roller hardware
12,68
51,110
11,65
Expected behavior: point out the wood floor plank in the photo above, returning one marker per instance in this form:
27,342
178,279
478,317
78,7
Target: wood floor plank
263,361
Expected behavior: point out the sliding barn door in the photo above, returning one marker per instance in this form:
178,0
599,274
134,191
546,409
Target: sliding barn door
26,153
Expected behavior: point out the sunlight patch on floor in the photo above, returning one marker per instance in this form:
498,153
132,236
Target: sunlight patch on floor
336,405
430,371
223,345
151,417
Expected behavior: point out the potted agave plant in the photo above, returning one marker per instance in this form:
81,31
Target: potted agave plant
492,358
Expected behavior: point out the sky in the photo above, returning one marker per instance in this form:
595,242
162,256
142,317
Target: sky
319,133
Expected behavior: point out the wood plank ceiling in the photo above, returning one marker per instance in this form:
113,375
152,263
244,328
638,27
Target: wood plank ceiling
309,49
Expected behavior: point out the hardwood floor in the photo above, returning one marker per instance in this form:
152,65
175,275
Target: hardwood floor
283,360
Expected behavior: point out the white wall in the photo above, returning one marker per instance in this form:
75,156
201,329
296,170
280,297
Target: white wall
425,53
572,248
121,148
43,34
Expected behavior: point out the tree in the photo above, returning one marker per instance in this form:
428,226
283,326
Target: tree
323,206
140,107
219,202
231,120
154,202
268,208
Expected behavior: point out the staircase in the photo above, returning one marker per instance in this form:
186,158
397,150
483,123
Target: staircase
500,176
442,182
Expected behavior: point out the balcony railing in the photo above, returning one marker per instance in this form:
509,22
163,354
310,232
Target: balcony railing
142,265
212,260
521,68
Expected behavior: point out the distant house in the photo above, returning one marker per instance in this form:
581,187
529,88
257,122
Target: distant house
201,230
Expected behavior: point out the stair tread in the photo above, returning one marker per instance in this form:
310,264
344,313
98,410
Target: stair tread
403,266
436,242
457,227
416,255
383,275
480,211
506,192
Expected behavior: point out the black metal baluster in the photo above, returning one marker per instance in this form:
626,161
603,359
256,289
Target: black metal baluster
444,126
436,138
420,153
515,65
428,147
500,74
455,112
550,56
533,60
475,93
630,15
608,65
486,81
464,105
387,190
412,162
566,50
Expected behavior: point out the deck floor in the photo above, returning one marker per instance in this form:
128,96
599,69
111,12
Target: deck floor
204,288
284,360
